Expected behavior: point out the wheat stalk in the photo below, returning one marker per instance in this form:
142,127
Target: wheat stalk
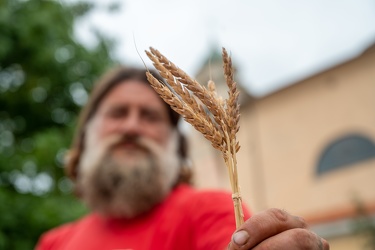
216,119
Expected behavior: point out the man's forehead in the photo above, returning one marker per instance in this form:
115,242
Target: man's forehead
134,92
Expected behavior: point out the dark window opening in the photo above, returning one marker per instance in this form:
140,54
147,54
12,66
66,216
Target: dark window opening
345,152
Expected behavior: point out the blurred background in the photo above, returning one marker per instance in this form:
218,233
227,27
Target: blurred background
307,76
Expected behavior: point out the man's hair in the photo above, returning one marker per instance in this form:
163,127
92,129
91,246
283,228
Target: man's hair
101,89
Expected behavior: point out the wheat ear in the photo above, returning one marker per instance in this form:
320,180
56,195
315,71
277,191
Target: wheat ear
216,119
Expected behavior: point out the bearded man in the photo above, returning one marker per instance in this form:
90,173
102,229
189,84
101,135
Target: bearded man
128,163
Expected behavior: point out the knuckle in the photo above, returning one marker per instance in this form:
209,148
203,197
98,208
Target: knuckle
279,214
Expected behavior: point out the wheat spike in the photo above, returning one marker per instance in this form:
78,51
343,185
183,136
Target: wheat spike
199,120
205,96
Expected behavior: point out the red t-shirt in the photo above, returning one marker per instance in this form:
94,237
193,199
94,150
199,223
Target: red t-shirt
188,219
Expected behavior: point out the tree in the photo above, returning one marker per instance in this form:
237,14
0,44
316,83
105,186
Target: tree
45,75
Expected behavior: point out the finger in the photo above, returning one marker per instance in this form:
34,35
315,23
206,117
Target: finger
264,225
294,239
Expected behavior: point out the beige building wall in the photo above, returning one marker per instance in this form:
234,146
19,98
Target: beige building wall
297,123
282,138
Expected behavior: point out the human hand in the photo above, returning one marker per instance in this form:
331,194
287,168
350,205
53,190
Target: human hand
275,229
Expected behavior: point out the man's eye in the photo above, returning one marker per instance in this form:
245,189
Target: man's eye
116,113
151,116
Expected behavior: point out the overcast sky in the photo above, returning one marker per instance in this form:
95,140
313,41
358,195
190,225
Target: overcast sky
272,42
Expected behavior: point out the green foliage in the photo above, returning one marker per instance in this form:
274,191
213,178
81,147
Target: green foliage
45,75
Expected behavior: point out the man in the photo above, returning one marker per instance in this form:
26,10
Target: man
128,163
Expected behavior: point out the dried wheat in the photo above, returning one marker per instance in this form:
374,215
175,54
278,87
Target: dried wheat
216,119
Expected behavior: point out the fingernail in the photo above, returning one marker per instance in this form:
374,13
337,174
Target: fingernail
241,237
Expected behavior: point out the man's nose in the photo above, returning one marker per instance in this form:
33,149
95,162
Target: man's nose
130,125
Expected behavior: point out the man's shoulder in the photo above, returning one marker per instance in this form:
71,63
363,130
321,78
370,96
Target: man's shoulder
60,233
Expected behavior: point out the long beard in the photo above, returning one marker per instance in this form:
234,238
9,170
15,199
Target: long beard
131,183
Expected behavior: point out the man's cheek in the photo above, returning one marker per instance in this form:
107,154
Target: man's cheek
96,149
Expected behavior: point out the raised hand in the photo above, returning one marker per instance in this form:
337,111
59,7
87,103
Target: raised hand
275,229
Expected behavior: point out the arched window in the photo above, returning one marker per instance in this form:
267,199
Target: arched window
344,152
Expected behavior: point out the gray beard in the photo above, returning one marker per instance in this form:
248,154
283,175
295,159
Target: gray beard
125,189
120,182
